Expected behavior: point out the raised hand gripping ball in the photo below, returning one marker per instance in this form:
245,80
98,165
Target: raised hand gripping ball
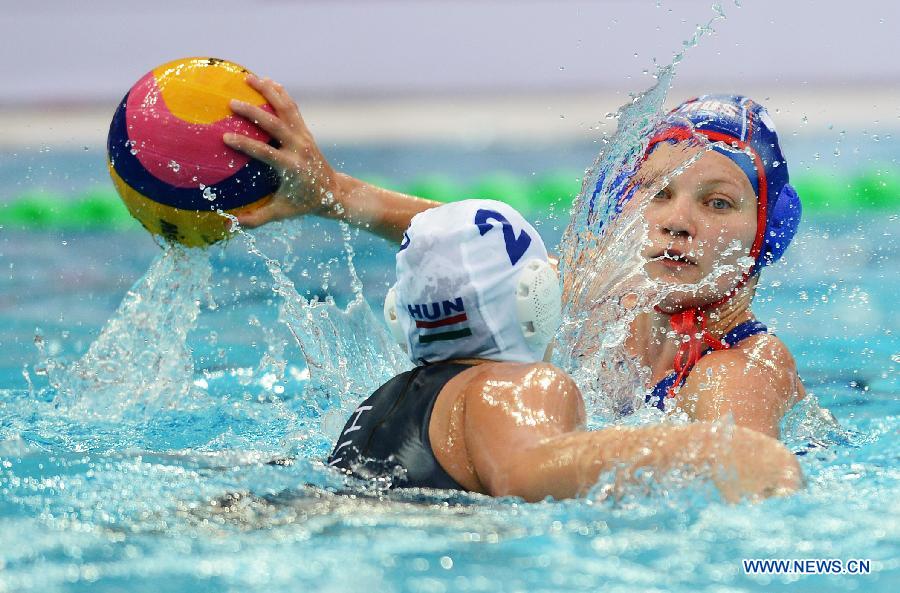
166,155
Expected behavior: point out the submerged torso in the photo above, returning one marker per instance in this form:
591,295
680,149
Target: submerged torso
387,437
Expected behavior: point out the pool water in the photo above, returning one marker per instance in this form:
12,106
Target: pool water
182,494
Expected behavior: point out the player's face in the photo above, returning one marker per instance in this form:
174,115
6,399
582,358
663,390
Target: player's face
703,221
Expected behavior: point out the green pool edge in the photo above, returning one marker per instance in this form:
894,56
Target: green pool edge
99,208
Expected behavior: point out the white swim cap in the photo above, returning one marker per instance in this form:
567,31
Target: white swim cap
473,281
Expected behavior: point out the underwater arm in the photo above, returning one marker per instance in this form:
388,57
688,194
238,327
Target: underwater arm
524,439
309,185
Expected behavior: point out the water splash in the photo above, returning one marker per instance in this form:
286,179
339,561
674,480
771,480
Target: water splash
808,427
605,287
140,362
348,352
600,265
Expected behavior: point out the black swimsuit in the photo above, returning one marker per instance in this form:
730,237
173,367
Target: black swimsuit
387,435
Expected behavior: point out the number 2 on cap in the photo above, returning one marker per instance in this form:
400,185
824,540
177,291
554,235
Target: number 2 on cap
515,246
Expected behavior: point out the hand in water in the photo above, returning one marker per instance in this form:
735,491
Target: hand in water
308,183
753,465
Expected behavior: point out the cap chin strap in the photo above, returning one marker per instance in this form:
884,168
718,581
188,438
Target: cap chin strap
685,323
538,305
691,323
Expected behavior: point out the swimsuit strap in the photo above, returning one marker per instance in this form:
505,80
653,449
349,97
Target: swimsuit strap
742,331
737,334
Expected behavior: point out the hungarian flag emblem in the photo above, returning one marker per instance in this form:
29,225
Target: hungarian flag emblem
436,322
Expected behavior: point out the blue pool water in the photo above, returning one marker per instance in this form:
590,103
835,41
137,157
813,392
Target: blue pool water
161,478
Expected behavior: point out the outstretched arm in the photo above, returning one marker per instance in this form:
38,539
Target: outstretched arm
309,185
524,437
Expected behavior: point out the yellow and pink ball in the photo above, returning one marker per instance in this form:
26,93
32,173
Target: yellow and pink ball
166,155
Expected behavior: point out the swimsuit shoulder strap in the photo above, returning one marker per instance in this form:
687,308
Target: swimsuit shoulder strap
736,335
742,331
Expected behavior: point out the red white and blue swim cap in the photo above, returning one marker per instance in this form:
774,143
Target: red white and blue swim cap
743,131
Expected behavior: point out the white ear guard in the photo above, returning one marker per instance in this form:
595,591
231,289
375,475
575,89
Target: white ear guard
393,323
538,303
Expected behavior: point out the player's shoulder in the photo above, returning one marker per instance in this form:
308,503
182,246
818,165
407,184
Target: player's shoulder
762,360
532,384
766,350
503,391
545,374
